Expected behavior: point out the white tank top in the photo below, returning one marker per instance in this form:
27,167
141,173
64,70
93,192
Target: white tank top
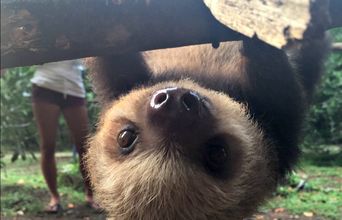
64,77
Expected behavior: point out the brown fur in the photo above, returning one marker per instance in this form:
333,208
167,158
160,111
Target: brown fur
149,184
257,101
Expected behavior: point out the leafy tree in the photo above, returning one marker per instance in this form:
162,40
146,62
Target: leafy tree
18,129
324,123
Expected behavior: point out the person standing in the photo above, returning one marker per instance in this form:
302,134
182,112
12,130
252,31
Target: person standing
57,88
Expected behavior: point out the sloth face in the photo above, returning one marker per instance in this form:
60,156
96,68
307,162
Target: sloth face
179,151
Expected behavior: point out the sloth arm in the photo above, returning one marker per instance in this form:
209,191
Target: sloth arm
112,76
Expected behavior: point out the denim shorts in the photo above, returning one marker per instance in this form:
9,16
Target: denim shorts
40,94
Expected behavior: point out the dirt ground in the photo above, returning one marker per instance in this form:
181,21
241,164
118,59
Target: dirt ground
77,213
283,216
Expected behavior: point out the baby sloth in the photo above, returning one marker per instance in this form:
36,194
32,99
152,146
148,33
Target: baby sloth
197,132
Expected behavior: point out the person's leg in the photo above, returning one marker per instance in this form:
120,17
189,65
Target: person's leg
77,120
46,116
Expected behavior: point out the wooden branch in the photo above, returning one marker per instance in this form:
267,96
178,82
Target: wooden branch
276,22
40,31
336,47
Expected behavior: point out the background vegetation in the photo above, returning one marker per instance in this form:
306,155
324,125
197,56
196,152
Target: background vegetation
323,129
18,129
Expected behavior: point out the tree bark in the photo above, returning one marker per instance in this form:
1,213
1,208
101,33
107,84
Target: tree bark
276,22
40,31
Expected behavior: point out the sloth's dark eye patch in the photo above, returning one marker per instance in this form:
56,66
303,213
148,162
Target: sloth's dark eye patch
216,156
126,140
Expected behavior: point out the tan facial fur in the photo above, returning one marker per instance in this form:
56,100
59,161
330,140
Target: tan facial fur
150,183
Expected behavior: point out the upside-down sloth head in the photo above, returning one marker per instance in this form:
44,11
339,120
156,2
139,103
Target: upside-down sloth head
177,150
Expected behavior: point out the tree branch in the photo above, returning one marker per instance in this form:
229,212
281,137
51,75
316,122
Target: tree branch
276,22
336,47
39,31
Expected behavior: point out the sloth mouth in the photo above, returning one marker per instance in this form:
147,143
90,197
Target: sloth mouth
211,155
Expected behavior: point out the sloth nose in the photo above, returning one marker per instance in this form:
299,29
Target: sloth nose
180,114
176,100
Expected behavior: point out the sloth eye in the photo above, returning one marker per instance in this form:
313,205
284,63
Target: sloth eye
216,156
126,140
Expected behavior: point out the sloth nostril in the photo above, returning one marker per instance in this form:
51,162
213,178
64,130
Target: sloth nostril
159,99
190,101
176,100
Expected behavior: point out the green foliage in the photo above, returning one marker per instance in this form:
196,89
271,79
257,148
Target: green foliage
70,176
324,123
336,34
18,129
93,107
323,155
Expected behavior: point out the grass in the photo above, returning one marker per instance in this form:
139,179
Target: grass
320,195
23,190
